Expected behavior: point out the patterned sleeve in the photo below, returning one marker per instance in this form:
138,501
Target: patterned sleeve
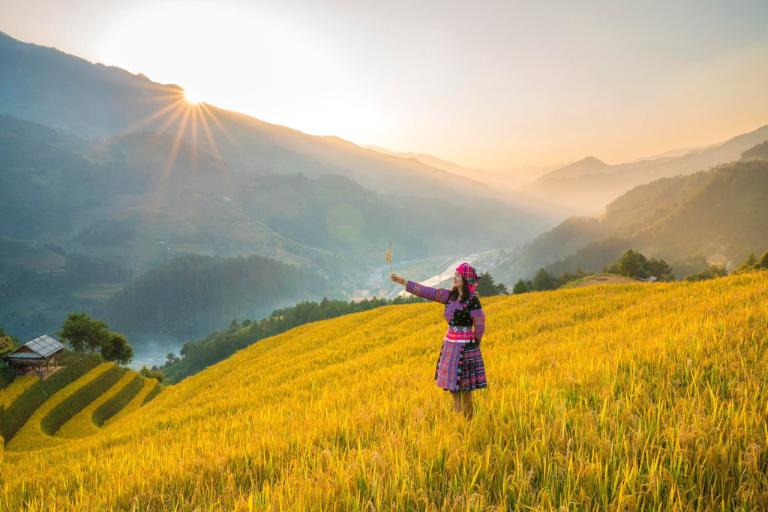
426,292
478,318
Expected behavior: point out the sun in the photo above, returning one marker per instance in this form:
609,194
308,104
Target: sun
192,97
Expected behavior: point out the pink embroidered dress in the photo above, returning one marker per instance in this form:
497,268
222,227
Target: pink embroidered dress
460,364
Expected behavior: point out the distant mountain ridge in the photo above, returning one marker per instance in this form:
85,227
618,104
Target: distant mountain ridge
589,186
504,181
585,166
717,214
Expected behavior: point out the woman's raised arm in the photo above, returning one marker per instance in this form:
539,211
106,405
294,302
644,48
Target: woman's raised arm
425,292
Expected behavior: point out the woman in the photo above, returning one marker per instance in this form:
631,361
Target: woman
460,367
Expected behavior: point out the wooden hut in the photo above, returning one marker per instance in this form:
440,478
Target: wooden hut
37,355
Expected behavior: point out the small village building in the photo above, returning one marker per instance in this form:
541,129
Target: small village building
38,356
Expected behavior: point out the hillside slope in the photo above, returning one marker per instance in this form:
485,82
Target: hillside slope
717,214
647,396
62,91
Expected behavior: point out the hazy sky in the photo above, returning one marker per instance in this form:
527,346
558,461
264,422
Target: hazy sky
490,84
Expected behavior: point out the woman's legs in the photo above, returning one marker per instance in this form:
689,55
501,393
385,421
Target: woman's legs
457,405
462,402
466,403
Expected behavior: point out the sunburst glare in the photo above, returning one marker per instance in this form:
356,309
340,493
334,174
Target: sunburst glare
192,97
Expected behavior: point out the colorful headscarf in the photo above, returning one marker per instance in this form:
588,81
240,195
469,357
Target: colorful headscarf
467,271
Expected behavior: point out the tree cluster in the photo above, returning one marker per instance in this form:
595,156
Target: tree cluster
712,272
544,281
154,373
634,264
752,263
487,287
192,295
84,333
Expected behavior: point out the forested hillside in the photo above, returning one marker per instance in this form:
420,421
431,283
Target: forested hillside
716,214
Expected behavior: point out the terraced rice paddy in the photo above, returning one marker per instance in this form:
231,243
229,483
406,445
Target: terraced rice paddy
622,397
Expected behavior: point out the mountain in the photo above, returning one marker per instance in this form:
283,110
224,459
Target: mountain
759,152
716,214
119,198
506,181
512,177
121,206
593,185
584,167
95,102
344,413
567,237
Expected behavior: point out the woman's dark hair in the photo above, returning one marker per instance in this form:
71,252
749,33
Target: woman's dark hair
455,292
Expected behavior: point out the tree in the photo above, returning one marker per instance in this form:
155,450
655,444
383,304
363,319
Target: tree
520,287
83,332
630,264
487,287
712,272
635,264
7,343
4,334
660,269
154,373
763,261
567,277
543,281
749,265
116,348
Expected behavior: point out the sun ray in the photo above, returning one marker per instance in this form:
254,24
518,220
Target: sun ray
221,127
208,135
193,135
162,179
171,161
151,117
180,118
181,108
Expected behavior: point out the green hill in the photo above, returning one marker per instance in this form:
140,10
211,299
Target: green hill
193,295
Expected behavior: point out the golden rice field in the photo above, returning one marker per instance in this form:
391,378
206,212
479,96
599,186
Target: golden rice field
624,397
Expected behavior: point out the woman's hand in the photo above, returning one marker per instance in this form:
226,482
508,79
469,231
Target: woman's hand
398,279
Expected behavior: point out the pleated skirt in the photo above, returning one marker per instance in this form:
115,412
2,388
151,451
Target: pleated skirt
460,367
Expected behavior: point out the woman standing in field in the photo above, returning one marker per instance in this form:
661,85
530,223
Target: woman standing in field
460,367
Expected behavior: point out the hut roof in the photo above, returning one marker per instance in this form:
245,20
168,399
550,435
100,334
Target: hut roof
38,348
